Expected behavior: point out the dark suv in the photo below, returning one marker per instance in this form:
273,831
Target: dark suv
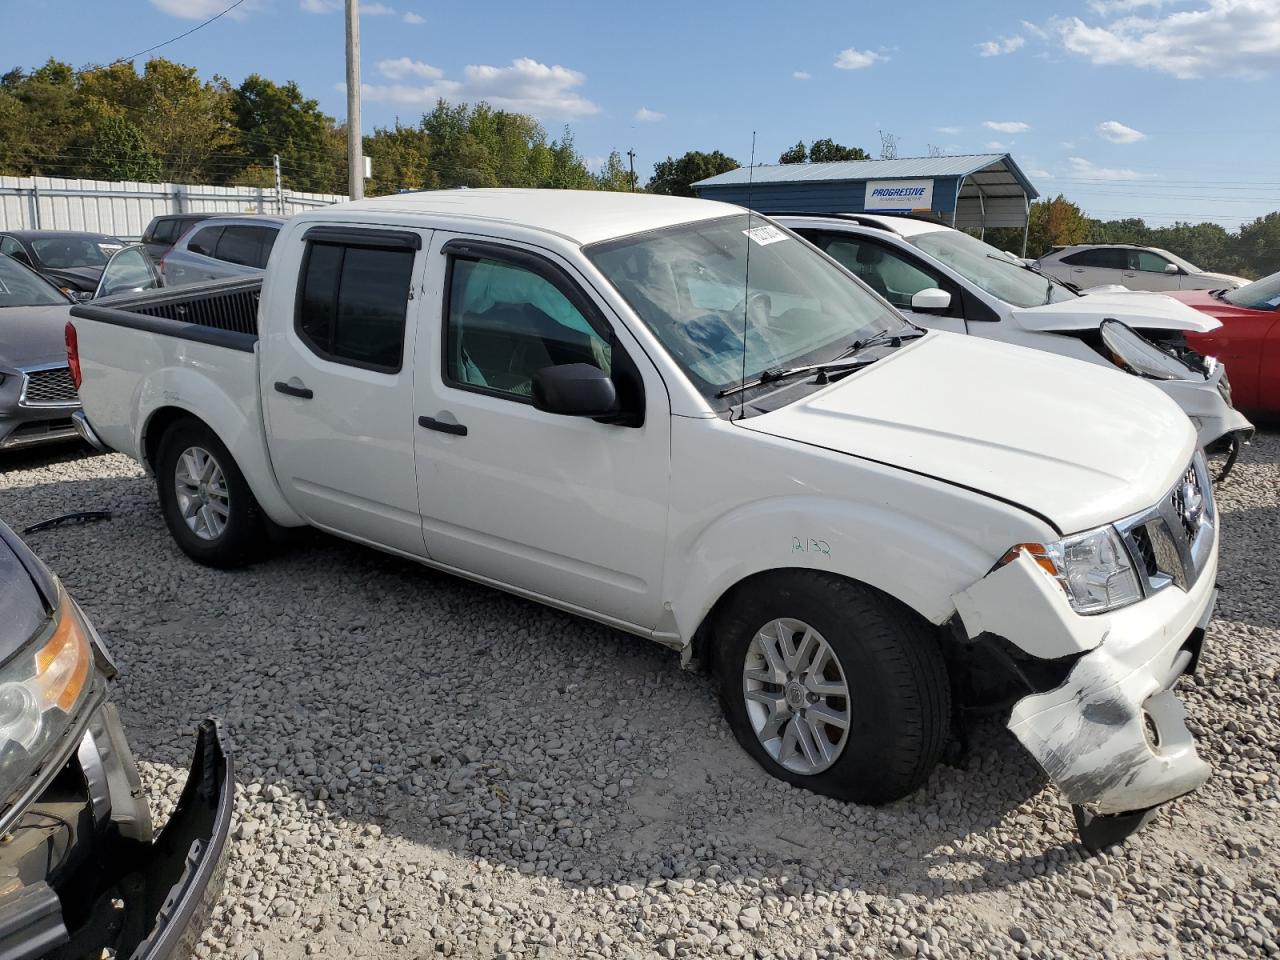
163,231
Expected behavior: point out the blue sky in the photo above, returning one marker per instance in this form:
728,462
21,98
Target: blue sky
1155,108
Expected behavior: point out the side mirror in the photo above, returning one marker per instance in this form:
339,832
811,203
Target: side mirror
930,300
1171,268
575,390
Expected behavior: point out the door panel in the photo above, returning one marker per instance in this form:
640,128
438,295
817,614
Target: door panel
337,389
1269,369
564,507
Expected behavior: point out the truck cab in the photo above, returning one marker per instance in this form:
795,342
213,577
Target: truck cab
676,418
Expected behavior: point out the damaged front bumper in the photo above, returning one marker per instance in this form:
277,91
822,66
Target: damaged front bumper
85,878
1207,403
1111,735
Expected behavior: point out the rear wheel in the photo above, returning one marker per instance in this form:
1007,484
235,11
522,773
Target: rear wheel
833,686
207,504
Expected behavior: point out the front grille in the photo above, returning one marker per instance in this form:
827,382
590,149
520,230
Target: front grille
48,388
1171,542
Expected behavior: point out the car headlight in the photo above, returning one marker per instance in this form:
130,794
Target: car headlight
1093,569
41,688
1130,350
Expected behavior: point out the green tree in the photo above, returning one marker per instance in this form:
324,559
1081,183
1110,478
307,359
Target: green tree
120,152
797,154
1053,223
615,175
674,177
1256,249
827,150
400,158
276,118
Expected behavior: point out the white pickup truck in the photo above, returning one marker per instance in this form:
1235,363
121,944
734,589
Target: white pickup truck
679,419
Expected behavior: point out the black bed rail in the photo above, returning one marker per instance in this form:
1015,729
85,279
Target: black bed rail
222,313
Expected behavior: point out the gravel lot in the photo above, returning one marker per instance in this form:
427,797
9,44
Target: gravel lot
429,768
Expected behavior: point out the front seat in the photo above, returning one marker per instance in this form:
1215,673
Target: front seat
869,259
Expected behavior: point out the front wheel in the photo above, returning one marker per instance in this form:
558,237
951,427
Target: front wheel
833,686
207,504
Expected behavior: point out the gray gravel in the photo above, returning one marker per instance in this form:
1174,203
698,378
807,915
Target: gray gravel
429,768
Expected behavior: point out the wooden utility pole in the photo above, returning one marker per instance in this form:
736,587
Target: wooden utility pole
355,146
631,158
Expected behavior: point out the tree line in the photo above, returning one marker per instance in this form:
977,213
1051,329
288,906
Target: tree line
1251,251
164,123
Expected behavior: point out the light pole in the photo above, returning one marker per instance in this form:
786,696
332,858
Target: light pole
355,146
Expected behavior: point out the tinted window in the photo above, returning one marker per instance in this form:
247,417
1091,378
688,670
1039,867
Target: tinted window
166,231
1149,262
205,241
1110,258
12,248
353,301
240,245
505,323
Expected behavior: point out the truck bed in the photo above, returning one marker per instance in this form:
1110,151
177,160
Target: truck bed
191,348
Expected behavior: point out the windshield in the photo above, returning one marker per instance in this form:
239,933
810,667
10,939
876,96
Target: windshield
61,252
986,267
19,287
1262,294
690,285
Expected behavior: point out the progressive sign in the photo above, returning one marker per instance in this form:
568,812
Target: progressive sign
898,196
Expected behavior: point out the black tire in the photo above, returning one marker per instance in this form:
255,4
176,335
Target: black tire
244,537
899,700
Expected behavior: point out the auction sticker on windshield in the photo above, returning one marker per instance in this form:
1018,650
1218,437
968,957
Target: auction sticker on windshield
765,234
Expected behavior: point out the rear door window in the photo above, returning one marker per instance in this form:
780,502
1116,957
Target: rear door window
239,245
353,302
205,241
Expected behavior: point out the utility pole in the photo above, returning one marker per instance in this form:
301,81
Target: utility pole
279,184
631,157
355,146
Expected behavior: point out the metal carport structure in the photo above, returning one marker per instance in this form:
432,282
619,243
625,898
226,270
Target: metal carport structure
972,191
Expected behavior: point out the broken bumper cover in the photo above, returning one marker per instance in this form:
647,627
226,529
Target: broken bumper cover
187,862
1113,737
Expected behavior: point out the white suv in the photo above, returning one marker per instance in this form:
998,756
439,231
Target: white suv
1137,268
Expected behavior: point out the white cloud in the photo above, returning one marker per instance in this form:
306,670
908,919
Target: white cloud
1039,173
411,17
376,10
1108,7
1240,37
1000,46
525,86
802,75
1036,31
403,67
1086,170
995,146
333,6
320,6
1007,126
1117,132
645,115
949,131
852,59
201,9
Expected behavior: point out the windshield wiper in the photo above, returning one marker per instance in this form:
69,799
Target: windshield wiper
844,363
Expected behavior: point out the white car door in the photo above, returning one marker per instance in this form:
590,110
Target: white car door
1096,267
894,274
337,385
563,507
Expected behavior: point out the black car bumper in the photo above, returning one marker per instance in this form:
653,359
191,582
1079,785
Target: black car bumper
83,874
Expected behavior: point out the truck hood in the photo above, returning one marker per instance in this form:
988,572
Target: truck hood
1142,311
32,335
1077,443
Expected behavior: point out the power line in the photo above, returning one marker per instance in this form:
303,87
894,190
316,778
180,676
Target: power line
198,26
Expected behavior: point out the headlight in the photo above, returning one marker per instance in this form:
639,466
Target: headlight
1092,568
40,689
1131,351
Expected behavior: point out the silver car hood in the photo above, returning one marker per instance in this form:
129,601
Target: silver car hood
30,336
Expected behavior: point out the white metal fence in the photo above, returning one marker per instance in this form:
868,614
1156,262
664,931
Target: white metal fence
123,208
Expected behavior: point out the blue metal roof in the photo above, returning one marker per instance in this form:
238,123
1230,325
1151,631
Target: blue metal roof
847,170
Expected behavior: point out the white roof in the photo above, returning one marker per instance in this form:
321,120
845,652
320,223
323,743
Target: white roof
581,216
903,226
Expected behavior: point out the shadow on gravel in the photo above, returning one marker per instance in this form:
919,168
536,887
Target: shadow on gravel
32,458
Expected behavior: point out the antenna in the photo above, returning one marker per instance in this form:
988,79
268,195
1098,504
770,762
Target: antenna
746,276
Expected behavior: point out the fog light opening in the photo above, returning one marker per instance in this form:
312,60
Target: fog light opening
1151,730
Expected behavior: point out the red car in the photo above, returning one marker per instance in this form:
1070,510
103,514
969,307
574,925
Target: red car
1248,342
